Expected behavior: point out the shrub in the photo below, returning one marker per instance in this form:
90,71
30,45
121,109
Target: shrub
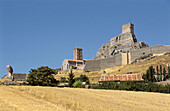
78,84
133,86
83,78
63,80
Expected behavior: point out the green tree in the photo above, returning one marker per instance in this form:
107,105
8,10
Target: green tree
150,75
168,72
160,73
71,79
164,72
63,79
157,73
41,77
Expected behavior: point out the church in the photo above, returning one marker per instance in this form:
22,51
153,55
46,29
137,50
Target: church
76,63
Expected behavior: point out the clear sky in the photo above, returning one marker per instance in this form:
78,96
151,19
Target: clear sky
37,33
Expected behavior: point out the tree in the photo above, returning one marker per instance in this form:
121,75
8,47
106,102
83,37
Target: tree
164,72
41,77
168,72
63,80
160,73
157,72
150,75
71,79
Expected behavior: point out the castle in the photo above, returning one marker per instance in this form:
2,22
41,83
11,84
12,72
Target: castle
123,49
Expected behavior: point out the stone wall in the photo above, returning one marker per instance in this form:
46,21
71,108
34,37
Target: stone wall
19,76
124,58
122,49
158,49
100,64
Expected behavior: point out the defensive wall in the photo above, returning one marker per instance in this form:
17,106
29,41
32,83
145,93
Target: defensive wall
124,58
100,64
158,49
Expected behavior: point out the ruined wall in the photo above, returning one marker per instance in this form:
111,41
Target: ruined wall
158,49
100,64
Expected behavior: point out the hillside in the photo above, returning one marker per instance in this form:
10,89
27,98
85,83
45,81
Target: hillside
139,67
29,98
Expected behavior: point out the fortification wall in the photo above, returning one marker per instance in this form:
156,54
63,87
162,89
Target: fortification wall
100,64
158,49
123,58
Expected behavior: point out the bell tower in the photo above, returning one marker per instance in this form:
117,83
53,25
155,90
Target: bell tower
78,54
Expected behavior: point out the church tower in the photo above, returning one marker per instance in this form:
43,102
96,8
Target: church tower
78,54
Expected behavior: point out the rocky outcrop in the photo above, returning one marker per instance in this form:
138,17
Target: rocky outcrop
124,49
125,42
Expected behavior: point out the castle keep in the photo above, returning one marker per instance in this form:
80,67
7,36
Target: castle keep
123,49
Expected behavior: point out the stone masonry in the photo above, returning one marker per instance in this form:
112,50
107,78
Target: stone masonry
121,50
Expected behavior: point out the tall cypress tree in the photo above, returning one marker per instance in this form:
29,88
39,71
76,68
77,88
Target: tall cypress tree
150,75
168,72
164,73
71,79
157,73
160,73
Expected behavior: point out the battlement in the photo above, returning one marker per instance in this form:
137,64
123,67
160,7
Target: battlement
128,28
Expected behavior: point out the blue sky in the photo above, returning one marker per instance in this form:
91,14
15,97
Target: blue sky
37,33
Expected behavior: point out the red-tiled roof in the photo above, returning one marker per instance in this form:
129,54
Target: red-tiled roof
125,77
75,60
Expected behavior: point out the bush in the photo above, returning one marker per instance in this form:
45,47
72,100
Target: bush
63,80
78,84
83,78
133,86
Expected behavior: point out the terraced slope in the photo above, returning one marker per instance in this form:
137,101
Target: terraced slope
27,98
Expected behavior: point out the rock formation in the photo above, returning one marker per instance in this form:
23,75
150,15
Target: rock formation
123,49
125,42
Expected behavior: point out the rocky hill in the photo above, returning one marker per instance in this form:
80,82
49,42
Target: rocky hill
125,42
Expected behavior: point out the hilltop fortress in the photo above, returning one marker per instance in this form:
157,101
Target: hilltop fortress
123,49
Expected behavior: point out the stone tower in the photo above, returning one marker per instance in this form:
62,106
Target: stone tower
78,54
128,28
9,71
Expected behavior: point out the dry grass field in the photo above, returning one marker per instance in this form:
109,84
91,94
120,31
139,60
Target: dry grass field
29,98
140,67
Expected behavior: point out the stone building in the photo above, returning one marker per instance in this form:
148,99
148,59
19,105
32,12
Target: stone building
76,63
123,49
120,78
15,76
19,76
9,71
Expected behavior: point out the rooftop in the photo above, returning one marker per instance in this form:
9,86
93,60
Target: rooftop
124,77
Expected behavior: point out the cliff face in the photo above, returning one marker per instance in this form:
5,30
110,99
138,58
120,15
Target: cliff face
125,42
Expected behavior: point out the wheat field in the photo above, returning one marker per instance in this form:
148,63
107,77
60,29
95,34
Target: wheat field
36,98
